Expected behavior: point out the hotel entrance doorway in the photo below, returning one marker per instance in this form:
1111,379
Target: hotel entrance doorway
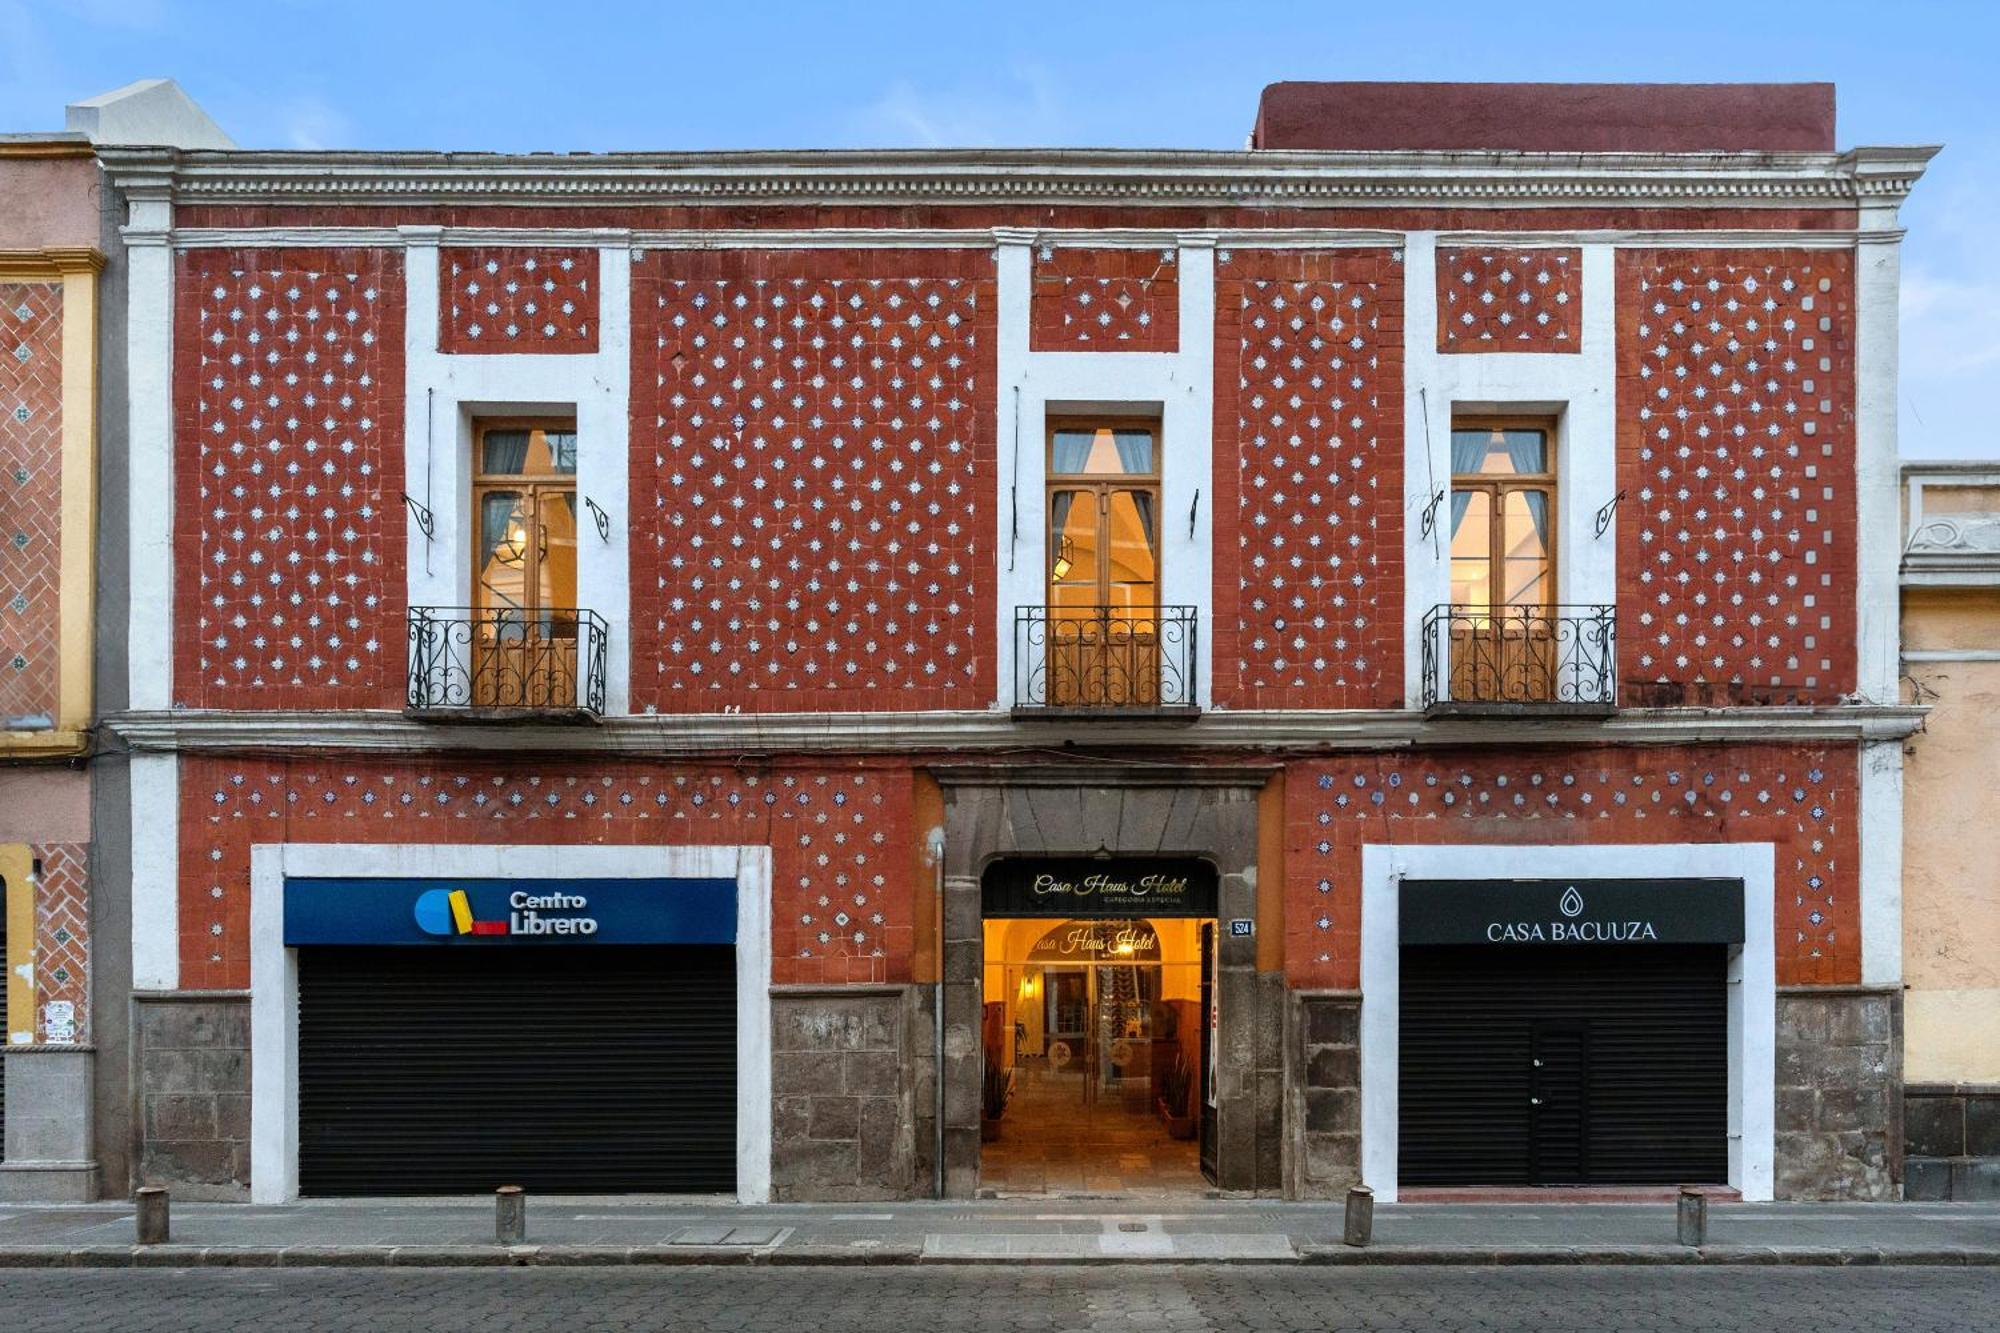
1097,1041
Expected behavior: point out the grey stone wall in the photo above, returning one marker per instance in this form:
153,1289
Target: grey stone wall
1951,1137
843,1124
1323,1120
191,1062
1839,1094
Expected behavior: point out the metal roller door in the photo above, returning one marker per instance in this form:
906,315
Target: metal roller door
1564,1065
578,1070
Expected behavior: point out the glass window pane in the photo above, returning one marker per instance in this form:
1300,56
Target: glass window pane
504,452
1134,538
1102,452
557,452
556,575
504,524
1471,548
1526,549
1514,453
1073,538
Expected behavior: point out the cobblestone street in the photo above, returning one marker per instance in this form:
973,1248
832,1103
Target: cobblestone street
1183,1299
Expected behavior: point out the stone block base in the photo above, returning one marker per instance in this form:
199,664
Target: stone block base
50,1153
843,1126
1323,1088
1839,1094
192,1097
1951,1135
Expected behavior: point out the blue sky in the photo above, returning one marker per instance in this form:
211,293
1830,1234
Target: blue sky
580,75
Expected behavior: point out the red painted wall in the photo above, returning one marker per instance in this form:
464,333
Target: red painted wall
1308,479
289,587
1492,299
812,480
840,838
1804,799
517,298
1737,534
1105,301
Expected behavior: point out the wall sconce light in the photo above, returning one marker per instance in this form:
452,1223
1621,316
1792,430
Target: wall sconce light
1064,561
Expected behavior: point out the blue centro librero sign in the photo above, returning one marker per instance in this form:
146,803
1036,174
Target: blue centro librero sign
509,911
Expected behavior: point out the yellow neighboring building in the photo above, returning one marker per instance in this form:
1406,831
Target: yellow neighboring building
1951,831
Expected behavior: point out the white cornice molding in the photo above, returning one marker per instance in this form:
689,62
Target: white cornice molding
932,733
989,176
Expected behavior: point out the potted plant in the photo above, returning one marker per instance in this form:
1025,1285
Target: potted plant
1177,1100
994,1094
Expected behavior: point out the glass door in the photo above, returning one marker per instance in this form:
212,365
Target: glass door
1502,562
524,631
1104,569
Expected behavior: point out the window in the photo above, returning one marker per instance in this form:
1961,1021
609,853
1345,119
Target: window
524,564
1503,573
1104,563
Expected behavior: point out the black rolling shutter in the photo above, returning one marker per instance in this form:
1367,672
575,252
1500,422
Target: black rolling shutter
579,1070
1569,1065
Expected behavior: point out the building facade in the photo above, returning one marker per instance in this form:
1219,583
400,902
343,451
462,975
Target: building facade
857,675
1951,659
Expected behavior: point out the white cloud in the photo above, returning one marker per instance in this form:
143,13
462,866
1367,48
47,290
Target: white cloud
1951,310
311,122
1018,108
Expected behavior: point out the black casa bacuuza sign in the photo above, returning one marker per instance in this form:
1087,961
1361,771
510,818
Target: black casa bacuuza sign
1572,911
1088,886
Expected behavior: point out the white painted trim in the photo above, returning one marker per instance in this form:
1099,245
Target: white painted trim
1752,977
149,474
274,1108
1951,654
156,857
1577,388
447,391
1179,384
1878,481
1881,880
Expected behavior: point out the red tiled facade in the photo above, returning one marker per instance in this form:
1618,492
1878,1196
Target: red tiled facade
1736,456
1491,299
62,936
510,298
839,835
1804,800
1308,479
812,477
31,322
289,463
1105,301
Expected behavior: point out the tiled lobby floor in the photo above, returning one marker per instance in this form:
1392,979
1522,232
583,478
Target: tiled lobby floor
1051,1143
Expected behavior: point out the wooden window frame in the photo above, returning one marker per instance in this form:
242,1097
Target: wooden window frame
1497,487
1101,485
534,483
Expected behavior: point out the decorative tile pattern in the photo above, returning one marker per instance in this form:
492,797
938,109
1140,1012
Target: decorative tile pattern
1495,300
1806,801
1736,453
511,298
841,840
62,933
1308,496
289,523
1105,301
812,473
30,499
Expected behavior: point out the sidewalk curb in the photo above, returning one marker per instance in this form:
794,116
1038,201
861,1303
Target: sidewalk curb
900,1255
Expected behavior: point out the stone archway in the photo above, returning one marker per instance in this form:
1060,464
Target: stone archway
1057,809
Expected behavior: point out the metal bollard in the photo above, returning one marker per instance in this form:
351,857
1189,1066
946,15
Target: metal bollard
510,1215
152,1217
1360,1215
1691,1216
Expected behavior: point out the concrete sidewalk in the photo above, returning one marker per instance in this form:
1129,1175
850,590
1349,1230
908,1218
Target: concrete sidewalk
625,1230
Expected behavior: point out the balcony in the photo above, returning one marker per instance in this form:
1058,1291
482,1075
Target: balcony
1103,661
1520,660
481,664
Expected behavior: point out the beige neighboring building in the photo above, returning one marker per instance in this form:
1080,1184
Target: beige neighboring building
1951,833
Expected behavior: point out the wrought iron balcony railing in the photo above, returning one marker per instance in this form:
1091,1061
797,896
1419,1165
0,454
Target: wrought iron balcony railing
1103,659
1551,656
481,661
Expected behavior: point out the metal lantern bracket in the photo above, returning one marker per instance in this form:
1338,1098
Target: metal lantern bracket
1428,524
426,521
1604,515
1193,506
602,519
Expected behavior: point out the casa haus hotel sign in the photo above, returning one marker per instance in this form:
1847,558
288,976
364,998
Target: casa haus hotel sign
1572,911
1098,887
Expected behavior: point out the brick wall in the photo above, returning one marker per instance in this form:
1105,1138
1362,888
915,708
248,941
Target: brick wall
1803,799
1105,301
62,935
30,498
516,298
1736,454
1308,479
840,836
289,587
812,480
1493,299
